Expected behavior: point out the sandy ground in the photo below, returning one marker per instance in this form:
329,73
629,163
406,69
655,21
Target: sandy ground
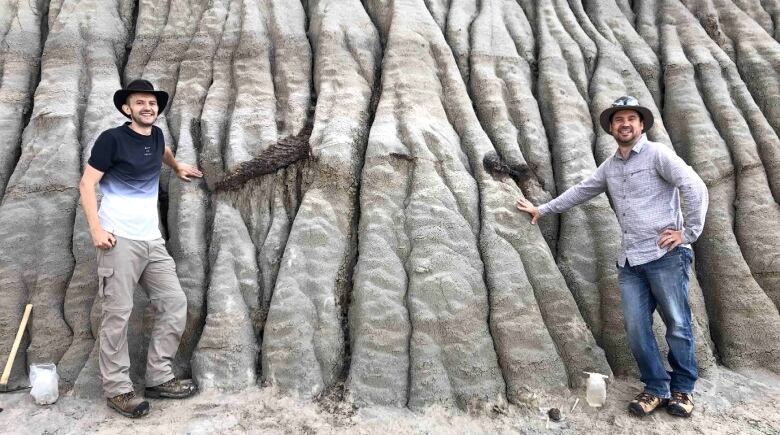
727,403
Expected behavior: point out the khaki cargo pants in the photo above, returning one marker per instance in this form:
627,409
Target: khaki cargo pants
120,269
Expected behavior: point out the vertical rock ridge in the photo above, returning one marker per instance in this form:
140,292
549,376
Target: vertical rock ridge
188,216
757,216
447,301
731,293
20,51
356,226
756,55
39,207
304,348
501,87
225,357
589,234
507,251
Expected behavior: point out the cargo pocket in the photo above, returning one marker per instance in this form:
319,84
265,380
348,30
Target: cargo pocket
103,274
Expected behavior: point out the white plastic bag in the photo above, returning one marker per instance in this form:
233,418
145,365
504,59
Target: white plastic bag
45,383
596,392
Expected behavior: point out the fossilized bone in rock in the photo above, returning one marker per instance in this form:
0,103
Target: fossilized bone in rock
589,235
261,86
500,57
278,155
305,342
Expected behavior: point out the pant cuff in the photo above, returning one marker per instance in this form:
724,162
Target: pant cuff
117,392
661,394
154,383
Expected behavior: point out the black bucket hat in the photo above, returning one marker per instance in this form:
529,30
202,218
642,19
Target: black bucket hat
139,86
626,103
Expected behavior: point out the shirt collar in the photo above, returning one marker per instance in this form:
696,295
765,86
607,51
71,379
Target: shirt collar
637,148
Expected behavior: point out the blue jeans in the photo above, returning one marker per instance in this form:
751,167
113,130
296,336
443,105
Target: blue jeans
662,283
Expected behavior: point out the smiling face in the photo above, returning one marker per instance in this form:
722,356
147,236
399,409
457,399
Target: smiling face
142,108
626,126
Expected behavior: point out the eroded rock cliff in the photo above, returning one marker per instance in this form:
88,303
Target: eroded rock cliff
356,223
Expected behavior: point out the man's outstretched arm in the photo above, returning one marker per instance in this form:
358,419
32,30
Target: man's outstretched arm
576,195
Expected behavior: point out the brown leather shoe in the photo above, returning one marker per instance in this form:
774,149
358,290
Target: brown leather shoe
173,389
645,403
681,404
129,405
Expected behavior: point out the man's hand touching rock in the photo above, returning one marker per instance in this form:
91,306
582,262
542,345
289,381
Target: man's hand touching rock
185,171
526,206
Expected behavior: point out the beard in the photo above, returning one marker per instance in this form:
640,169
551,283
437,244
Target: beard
138,119
628,138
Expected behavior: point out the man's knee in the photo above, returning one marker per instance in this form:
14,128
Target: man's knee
115,317
174,307
113,332
677,318
679,327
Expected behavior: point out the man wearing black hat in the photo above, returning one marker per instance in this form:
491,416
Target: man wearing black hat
645,181
126,162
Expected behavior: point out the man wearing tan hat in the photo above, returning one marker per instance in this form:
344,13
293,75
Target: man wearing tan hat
645,181
126,162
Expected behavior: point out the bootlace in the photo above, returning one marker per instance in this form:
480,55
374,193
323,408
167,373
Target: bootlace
680,397
168,383
645,398
126,397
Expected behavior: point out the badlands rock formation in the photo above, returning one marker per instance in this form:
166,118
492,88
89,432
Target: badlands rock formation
356,222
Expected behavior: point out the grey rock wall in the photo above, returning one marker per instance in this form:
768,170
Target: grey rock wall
356,223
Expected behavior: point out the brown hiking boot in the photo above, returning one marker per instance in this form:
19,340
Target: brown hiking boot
681,404
128,405
645,403
173,389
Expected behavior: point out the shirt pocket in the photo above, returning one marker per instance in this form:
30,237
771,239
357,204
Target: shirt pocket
643,182
104,273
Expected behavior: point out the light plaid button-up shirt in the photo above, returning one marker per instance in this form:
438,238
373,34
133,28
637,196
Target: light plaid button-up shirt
645,190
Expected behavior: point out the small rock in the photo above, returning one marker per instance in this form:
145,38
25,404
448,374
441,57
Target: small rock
500,410
554,414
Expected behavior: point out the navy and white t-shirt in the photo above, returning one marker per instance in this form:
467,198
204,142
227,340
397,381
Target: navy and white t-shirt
131,164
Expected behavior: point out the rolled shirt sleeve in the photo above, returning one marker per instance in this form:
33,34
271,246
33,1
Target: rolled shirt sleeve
693,191
579,193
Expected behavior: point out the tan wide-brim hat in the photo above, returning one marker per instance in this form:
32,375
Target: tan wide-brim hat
626,103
